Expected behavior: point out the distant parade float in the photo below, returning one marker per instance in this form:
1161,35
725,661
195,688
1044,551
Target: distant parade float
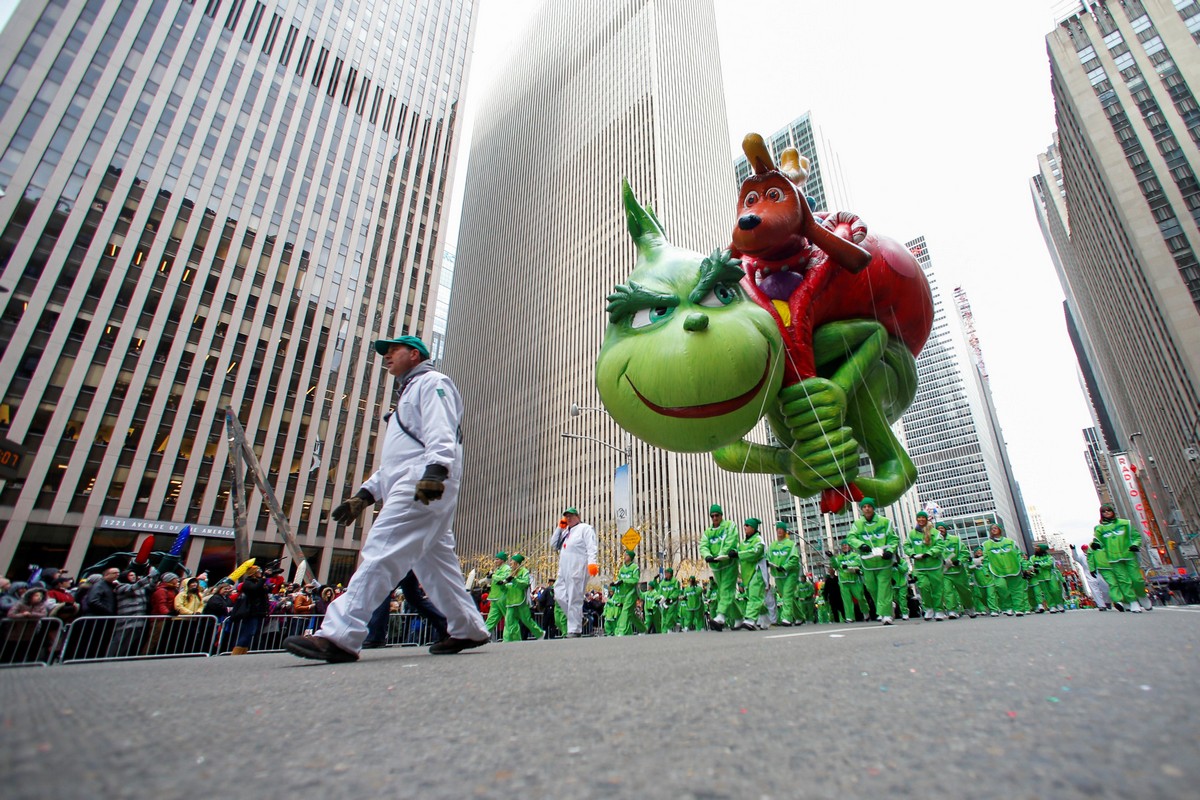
804,318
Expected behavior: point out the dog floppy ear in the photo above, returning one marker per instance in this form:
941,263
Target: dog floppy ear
757,154
794,166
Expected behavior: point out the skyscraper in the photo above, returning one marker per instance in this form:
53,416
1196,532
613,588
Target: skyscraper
1122,77
204,205
593,93
951,428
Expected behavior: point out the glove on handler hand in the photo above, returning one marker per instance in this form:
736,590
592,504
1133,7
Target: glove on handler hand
352,509
432,484
864,548
1133,548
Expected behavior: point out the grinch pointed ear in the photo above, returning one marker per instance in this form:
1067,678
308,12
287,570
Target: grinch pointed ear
644,227
757,154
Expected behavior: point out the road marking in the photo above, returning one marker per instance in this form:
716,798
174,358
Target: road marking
1173,608
825,633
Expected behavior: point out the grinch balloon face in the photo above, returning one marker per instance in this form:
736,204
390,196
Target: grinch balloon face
688,363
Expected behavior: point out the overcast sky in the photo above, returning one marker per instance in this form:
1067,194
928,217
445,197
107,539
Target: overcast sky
937,111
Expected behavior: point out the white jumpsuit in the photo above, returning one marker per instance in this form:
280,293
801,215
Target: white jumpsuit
408,534
576,549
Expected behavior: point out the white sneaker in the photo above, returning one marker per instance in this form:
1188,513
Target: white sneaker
939,617
904,617
1009,613
718,622
929,616
953,615
971,614
886,620
994,614
1135,608
749,625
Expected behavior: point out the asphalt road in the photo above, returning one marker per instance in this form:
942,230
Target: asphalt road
1077,705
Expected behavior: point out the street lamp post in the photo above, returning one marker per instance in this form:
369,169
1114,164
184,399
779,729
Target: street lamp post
626,450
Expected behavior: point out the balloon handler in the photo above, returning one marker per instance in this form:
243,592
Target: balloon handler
417,481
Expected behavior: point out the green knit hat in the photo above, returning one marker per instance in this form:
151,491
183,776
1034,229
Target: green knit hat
517,557
867,501
781,525
715,509
753,523
502,556
631,554
922,514
669,571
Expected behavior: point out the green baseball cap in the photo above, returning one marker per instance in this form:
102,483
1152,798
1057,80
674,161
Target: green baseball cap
502,556
571,510
517,557
715,509
753,523
383,345
631,554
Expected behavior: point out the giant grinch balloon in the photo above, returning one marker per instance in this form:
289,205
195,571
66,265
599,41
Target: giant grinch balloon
796,322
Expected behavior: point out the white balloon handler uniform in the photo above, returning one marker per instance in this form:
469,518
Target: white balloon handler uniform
576,546
1096,586
408,534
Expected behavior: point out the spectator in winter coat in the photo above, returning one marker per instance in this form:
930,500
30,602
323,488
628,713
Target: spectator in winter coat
189,601
251,608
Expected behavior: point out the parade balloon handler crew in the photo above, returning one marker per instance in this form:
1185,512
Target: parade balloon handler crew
418,481
576,545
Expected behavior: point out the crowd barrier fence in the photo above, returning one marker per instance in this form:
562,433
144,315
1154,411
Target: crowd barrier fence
29,642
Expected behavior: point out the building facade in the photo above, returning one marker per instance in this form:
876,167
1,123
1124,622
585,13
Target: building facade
1124,77
593,93
209,205
951,429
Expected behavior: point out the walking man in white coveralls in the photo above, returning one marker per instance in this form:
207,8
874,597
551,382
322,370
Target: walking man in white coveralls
417,481
576,546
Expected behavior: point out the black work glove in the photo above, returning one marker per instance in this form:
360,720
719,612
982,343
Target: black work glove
864,548
732,552
954,562
709,559
1133,548
829,554
352,509
1097,546
1072,547
1092,574
888,555
432,484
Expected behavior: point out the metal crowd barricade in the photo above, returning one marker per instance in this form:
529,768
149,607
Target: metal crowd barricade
138,637
404,630
29,642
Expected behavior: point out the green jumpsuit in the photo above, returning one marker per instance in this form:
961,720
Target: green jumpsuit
871,539
612,611
927,566
750,553
1003,560
652,608
900,583
516,612
784,558
805,595
628,579
693,608
849,570
985,588
1043,582
671,591
956,591
1124,576
496,596
714,548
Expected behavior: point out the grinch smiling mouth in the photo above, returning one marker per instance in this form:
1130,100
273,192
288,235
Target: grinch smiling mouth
705,410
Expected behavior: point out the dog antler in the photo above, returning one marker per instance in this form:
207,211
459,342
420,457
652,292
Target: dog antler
757,154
